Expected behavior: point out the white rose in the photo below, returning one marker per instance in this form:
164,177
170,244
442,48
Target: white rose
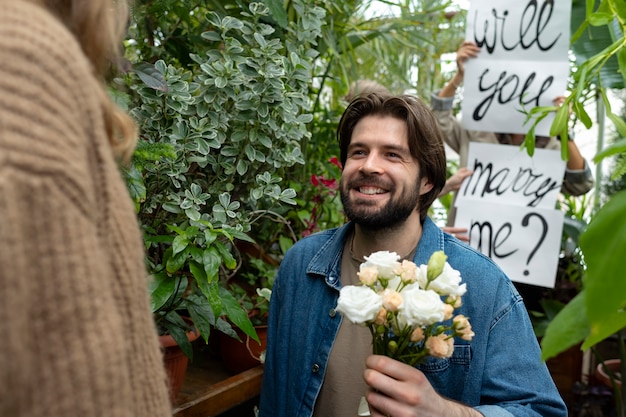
448,283
359,304
422,275
420,307
385,261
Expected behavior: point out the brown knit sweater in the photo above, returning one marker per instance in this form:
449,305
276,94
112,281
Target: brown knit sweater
76,333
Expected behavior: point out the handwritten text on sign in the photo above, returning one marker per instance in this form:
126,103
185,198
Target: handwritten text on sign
508,207
523,241
506,174
523,62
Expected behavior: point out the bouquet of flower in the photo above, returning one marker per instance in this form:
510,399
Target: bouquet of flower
408,309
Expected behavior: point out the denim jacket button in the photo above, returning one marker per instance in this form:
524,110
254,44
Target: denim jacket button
315,368
332,312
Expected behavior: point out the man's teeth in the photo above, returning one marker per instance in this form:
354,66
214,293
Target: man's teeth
371,190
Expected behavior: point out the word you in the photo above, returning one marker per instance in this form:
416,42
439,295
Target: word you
506,89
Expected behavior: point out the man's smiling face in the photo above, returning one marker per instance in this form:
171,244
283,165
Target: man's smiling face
379,183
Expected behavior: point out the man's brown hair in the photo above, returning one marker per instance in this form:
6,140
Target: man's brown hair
425,137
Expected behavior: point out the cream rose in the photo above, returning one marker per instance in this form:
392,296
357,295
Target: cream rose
407,272
368,275
440,346
359,304
392,300
462,327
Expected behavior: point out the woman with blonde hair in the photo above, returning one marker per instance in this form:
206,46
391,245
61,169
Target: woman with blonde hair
77,330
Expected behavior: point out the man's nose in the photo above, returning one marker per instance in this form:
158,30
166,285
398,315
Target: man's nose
372,164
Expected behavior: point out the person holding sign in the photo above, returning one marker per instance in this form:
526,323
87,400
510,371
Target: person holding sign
578,178
320,364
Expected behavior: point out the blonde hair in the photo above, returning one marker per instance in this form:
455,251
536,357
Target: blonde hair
99,27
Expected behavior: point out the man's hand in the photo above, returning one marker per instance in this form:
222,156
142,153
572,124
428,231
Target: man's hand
399,390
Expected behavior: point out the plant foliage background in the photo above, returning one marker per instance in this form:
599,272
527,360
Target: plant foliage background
238,103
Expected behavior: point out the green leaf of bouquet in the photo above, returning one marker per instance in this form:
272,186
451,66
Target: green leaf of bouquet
180,243
602,241
568,328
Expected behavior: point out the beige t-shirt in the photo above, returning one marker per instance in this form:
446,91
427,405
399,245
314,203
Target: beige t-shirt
343,384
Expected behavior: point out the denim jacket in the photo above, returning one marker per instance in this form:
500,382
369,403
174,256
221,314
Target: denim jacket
499,372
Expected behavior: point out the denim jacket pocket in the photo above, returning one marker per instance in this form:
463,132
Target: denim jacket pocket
449,375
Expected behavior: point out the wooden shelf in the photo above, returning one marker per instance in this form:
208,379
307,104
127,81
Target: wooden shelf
209,389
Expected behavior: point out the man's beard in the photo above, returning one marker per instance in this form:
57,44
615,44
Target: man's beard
392,215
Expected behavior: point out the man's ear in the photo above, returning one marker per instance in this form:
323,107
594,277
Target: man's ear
425,186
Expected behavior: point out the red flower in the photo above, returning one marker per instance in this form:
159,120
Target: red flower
335,162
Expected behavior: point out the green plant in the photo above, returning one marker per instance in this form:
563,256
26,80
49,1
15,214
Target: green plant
217,138
232,97
599,310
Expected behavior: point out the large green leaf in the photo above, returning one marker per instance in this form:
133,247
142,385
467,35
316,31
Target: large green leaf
604,247
567,329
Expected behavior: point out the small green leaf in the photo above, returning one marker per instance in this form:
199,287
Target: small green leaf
278,12
176,262
212,262
582,114
560,120
150,75
235,313
180,243
161,288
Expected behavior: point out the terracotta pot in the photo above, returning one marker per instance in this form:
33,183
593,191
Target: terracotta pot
614,366
239,356
175,362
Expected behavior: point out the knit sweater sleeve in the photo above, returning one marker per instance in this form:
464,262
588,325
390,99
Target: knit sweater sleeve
78,338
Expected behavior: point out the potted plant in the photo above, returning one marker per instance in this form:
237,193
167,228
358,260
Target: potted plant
217,137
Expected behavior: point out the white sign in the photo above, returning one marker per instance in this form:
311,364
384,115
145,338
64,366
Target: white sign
523,62
524,242
507,175
507,205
